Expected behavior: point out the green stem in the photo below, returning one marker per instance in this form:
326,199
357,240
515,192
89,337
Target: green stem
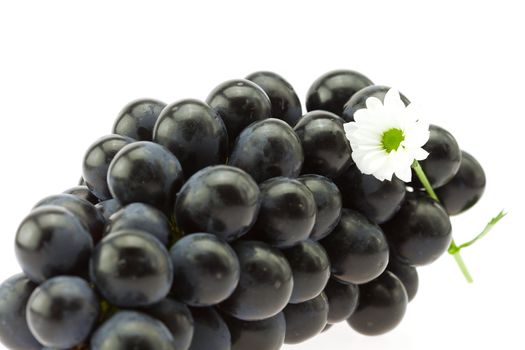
453,248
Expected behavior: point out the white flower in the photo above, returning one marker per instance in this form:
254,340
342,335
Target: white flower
387,138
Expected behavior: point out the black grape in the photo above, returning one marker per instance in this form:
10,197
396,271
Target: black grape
358,100
381,307
267,334
51,241
211,332
342,300
194,133
14,332
332,90
97,160
285,102
357,249
131,268
128,330
205,269
310,269
407,275
221,199
266,149
62,311
108,207
83,192
305,320
265,285
137,119
145,172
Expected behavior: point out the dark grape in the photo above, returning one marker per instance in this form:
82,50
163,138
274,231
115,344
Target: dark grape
342,300
466,187
177,317
86,212
51,241
326,149
128,330
420,232
381,307
285,102
287,213
266,149
222,200
142,217
332,90
131,268
84,193
305,320
14,332
443,159
310,269
267,334
265,284
62,311
327,327
108,207
194,133
137,119
357,249
358,100
96,163
211,332
239,103
407,275
328,202
145,172
205,269
377,200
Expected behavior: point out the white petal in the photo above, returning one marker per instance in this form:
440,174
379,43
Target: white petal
404,174
373,103
420,154
393,101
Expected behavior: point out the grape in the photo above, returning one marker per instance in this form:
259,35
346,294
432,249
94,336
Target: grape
221,199
342,300
377,200
443,159
357,249
287,213
267,334
310,269
407,275
205,269
86,212
328,202
142,217
97,160
108,207
51,241
305,320
84,193
326,149
420,232
239,103
194,133
358,100
266,149
466,187
381,307
62,311
285,103
14,332
332,90
137,119
128,330
265,284
131,268
327,327
211,332
145,172
177,317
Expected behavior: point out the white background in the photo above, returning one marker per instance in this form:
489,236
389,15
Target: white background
67,68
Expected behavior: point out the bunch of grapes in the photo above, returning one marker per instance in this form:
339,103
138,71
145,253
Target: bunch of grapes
235,223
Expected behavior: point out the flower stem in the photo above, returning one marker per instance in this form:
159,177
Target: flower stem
453,248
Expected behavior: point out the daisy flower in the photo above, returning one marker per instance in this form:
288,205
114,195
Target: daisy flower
387,138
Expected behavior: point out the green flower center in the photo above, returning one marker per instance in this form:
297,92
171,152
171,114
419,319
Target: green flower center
391,139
